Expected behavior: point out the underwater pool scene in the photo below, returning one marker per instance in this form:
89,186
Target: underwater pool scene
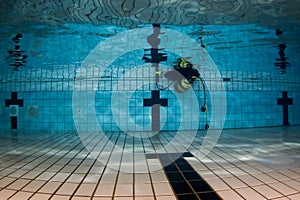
148,99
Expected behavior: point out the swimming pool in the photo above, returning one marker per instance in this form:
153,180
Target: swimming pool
99,71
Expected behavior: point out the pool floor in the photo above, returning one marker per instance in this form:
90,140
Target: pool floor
258,163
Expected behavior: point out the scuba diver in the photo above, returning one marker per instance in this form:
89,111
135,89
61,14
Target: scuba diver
183,75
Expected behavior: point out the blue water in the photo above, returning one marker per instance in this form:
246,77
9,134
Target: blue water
243,54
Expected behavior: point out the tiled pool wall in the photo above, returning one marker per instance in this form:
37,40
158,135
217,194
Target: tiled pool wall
252,84
52,111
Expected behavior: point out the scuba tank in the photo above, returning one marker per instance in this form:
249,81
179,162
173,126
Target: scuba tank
182,85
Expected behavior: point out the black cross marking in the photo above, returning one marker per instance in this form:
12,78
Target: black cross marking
155,101
13,101
285,102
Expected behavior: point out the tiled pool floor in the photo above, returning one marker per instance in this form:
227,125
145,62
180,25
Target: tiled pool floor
261,163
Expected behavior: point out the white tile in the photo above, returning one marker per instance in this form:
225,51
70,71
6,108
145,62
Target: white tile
222,173
144,197
250,180
154,165
31,175
45,176
105,189
264,178
38,196
60,197
97,169
18,173
227,165
207,175
34,186
229,195
125,178
211,165
61,177
290,174
217,184
236,171
6,181
142,189
140,168
75,178
294,196
80,198
109,178
82,169
249,194
297,170
250,169
67,188
158,177
55,168
68,169
21,195
248,163
199,166
278,176
293,184
124,190
282,198
50,187
123,198
85,189
234,182
282,188
5,193
166,197
267,191
162,188
102,198
18,184
192,160
263,168
142,178
7,171
92,178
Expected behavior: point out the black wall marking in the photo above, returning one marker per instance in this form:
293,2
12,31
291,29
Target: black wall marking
281,62
16,57
155,101
14,101
185,181
285,102
226,79
155,56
